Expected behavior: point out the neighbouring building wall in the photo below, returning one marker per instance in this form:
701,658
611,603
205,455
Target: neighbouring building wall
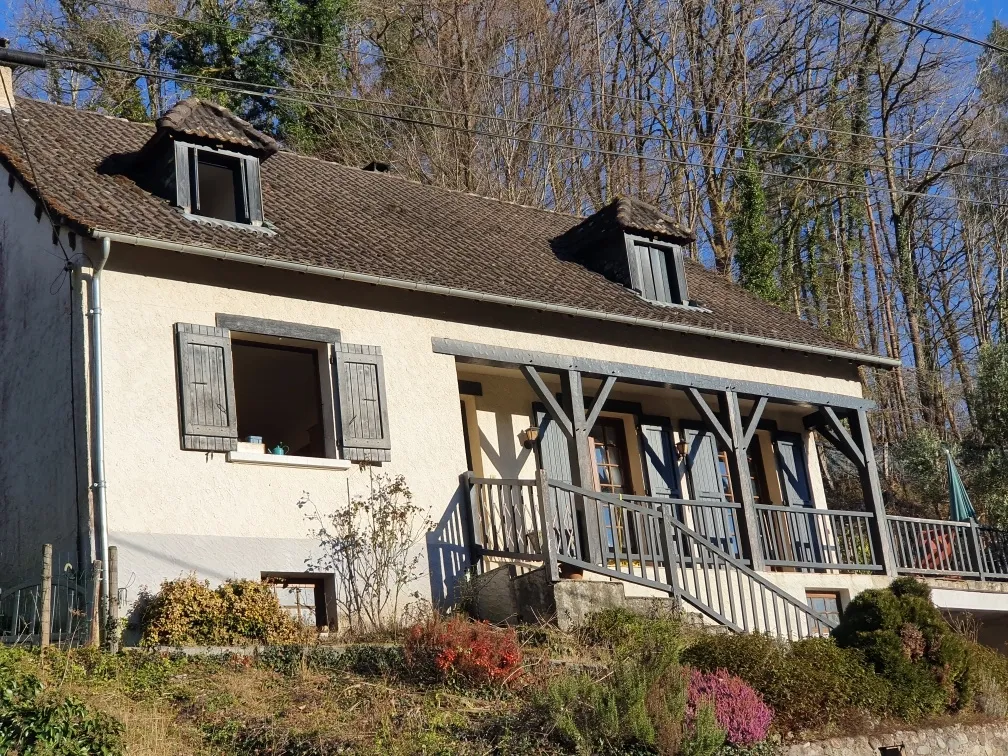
173,511
38,498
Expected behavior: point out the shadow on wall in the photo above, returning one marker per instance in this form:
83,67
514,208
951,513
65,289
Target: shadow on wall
448,557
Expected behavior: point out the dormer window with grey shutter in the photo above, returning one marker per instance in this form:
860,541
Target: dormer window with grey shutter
657,271
206,161
635,245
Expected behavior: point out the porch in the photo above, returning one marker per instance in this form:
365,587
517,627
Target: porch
686,486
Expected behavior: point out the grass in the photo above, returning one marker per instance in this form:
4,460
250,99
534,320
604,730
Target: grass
200,706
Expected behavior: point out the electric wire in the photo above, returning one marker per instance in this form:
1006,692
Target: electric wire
237,87
660,103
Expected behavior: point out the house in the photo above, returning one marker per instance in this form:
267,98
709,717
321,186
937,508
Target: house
566,397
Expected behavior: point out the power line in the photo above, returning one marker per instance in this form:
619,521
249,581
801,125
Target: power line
917,25
797,126
240,88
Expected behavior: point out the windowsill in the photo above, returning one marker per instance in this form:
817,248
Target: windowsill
287,460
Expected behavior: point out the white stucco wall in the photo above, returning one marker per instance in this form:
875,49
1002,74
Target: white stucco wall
38,501
173,511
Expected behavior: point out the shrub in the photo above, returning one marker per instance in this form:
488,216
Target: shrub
706,737
907,641
188,611
590,716
811,685
33,723
460,650
740,711
655,639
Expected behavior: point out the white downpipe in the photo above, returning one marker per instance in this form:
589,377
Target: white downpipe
98,450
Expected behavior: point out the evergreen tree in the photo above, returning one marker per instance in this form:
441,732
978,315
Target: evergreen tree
756,255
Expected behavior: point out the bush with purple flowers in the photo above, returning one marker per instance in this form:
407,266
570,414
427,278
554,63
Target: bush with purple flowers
740,711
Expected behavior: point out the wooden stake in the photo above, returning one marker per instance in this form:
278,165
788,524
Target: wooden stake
113,580
45,596
95,638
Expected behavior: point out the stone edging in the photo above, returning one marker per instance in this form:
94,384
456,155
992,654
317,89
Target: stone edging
958,740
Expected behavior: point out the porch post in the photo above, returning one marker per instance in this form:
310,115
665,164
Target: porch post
873,491
582,467
740,450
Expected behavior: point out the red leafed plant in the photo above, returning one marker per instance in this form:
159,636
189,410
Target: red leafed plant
474,653
740,710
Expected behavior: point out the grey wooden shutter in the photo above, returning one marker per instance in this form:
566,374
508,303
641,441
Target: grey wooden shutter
659,459
206,388
182,181
554,458
360,384
680,293
702,466
793,470
801,532
253,191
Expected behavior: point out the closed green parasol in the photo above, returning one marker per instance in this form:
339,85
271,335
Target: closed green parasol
960,506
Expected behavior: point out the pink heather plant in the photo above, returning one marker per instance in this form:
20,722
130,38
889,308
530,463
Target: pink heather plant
740,711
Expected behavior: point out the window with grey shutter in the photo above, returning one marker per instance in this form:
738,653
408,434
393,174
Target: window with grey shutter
360,388
659,458
657,271
206,388
183,156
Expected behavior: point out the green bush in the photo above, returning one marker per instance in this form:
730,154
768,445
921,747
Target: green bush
907,641
811,684
610,716
188,612
34,723
706,739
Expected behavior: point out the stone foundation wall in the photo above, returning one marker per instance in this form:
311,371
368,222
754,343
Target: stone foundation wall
973,740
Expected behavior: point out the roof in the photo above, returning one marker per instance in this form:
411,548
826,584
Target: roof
366,223
208,120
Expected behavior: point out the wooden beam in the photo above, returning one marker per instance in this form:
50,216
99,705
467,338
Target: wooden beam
743,478
582,463
710,419
837,427
873,493
752,422
600,401
486,354
546,397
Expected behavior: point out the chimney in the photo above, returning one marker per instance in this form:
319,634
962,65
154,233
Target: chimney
6,83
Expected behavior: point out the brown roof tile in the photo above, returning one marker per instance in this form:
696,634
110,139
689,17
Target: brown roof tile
208,120
372,223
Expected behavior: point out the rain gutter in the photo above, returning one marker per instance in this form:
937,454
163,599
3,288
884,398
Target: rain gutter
447,291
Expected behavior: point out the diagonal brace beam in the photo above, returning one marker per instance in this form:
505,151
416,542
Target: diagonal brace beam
600,400
546,397
752,422
710,419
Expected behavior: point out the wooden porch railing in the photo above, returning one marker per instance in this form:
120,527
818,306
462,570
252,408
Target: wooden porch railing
807,538
544,521
645,542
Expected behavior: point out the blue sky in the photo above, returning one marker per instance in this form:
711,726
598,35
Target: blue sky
985,10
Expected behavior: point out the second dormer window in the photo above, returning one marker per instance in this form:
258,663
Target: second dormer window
218,184
657,271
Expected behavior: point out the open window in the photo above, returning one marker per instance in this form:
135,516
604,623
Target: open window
218,184
278,397
258,386
306,597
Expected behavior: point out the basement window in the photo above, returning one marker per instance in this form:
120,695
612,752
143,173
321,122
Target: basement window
302,596
278,398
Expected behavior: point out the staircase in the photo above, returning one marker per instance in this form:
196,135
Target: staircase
652,544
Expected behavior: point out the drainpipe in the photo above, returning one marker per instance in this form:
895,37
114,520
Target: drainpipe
98,436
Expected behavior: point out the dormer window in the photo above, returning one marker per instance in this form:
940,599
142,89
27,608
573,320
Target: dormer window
205,160
657,271
218,184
